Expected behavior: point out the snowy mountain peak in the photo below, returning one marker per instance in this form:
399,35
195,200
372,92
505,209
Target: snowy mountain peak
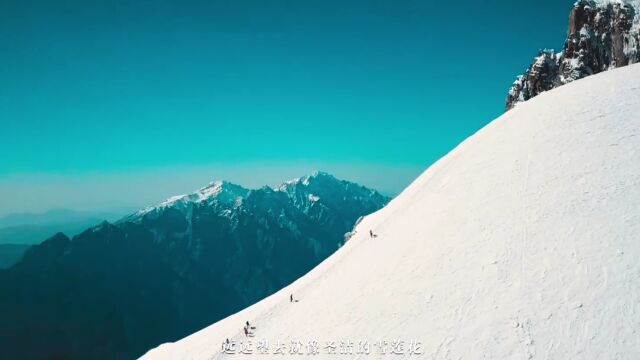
304,190
308,179
218,189
601,35
217,185
222,191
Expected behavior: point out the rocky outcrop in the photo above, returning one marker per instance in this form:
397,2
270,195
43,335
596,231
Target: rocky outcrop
602,35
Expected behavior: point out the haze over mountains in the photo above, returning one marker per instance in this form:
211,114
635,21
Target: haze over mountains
55,217
20,231
32,228
116,290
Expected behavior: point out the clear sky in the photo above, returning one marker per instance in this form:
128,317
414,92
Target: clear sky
122,103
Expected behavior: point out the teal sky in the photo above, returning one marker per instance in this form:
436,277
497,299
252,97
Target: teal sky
122,103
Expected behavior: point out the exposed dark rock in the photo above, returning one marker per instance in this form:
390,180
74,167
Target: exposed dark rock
600,36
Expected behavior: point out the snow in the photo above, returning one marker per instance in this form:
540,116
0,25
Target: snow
304,181
222,191
521,243
206,193
630,41
584,32
634,3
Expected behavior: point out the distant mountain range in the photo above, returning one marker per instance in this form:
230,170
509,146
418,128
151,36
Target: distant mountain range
21,230
56,217
10,254
116,290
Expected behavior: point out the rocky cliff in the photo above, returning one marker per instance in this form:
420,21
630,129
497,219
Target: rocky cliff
601,35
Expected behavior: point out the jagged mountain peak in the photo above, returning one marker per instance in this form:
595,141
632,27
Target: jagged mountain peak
311,188
307,179
219,190
323,187
601,35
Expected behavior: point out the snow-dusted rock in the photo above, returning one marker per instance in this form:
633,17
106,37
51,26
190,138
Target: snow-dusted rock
602,35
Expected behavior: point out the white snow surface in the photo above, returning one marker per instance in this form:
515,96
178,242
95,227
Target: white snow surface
204,194
521,243
634,3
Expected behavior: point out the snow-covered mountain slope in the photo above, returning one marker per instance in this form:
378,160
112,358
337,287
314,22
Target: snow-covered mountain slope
522,243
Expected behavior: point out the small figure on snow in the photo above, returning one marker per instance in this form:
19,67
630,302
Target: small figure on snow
291,298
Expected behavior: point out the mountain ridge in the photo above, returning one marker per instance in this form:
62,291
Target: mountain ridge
169,269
